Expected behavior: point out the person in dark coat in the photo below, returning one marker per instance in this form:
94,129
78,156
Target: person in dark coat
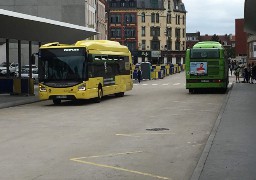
139,75
246,75
253,73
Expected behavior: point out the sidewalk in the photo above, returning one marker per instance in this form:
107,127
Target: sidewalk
7,100
230,152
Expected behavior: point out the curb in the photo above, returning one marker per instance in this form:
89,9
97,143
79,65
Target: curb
17,103
201,163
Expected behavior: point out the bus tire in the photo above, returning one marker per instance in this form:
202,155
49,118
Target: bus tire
191,91
100,95
224,90
121,94
56,101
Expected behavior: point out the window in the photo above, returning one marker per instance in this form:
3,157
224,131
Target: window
155,45
157,17
152,17
143,44
113,4
177,19
130,18
183,20
177,45
169,19
177,33
115,33
131,4
115,19
131,46
143,17
130,33
169,32
143,31
155,31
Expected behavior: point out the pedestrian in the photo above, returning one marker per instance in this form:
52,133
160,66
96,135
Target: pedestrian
253,73
250,73
246,75
231,67
139,75
237,73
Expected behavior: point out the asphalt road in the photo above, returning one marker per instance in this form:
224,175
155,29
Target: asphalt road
156,131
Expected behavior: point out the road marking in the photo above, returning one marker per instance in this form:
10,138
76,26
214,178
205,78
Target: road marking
144,84
80,160
110,155
154,84
165,84
176,84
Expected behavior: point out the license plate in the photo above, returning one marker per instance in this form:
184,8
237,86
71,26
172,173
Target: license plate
61,97
205,81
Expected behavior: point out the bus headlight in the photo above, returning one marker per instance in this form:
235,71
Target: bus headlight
82,87
42,88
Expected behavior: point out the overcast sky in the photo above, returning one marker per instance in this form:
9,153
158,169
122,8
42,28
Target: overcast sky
213,16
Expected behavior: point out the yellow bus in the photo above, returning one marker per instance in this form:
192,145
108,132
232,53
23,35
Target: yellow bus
84,70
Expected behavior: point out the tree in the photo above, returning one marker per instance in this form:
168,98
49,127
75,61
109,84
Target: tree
215,38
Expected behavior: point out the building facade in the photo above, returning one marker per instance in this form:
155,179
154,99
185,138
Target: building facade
101,25
122,23
154,30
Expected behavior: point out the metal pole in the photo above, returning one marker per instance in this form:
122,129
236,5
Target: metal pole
30,65
7,58
19,58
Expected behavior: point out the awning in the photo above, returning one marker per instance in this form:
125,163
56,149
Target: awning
31,28
250,16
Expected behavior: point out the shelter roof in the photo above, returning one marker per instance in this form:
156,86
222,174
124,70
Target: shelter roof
32,28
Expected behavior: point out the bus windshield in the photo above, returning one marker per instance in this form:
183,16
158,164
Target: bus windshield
65,64
204,53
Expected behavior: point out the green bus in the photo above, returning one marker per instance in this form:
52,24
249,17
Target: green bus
206,67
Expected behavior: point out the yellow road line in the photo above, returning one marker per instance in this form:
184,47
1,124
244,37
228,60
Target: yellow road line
110,155
118,168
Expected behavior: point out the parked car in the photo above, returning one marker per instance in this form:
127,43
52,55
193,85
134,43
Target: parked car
25,74
26,67
13,67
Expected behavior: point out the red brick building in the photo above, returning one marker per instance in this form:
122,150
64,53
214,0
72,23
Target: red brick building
241,38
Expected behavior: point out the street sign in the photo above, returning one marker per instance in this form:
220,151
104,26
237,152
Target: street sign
155,53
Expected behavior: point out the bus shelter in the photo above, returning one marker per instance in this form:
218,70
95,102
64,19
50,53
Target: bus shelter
35,30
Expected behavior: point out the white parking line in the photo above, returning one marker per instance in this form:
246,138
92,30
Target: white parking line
176,84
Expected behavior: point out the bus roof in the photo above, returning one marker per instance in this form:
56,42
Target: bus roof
98,45
208,44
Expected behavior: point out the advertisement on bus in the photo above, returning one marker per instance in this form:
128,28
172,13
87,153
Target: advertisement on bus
198,68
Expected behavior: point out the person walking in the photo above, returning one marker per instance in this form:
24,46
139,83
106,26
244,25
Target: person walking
231,67
237,74
139,75
249,73
246,75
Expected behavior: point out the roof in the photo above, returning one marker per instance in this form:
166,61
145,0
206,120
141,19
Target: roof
208,44
92,45
31,28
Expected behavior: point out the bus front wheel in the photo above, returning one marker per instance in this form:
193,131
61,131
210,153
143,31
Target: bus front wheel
100,95
56,101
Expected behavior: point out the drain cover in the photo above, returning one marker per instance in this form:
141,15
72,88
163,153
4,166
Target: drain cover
158,129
